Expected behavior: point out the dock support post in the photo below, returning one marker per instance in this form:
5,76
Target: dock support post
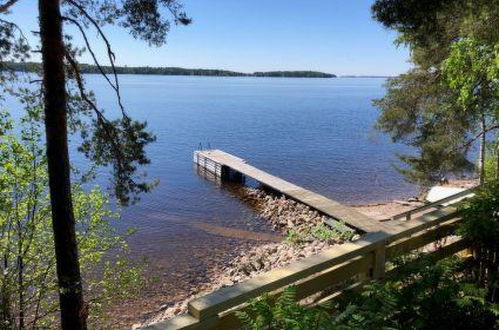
230,175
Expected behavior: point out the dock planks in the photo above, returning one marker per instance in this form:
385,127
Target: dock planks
218,159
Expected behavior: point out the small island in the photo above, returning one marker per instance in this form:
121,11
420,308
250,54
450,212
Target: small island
170,71
294,74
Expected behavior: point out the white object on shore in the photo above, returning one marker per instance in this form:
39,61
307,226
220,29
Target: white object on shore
437,193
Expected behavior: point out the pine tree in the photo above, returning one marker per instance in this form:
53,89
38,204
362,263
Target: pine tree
425,108
118,143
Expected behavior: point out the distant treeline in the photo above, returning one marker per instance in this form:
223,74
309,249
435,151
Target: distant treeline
173,71
354,76
294,74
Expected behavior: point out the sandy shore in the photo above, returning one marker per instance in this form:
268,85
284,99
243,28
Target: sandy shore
386,210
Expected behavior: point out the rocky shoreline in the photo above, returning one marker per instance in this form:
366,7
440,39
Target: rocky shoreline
246,253
305,235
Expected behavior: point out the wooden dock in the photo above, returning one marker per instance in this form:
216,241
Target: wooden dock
229,167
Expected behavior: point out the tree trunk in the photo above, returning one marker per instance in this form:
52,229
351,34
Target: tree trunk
481,159
73,311
497,161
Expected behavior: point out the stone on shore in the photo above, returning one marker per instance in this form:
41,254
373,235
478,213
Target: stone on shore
285,215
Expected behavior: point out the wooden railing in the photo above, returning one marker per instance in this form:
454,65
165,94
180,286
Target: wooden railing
360,260
437,204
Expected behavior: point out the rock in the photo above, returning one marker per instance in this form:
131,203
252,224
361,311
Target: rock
282,214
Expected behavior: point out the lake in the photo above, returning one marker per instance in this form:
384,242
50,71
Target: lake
316,133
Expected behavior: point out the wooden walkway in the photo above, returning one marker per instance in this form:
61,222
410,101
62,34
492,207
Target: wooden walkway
221,163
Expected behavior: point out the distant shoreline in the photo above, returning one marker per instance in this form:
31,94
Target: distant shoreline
172,71
366,76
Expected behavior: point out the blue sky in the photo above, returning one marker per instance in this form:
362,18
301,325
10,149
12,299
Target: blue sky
335,36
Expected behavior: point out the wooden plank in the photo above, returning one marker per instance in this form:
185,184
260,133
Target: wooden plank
421,239
229,297
316,201
431,219
459,196
305,288
442,253
229,321
185,321
332,276
316,273
335,210
450,249
379,262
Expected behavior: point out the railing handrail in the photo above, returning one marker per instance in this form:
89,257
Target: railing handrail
407,214
312,274
229,297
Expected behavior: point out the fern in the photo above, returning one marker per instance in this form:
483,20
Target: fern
421,294
430,295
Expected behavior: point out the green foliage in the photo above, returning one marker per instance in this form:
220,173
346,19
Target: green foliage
293,237
429,27
472,69
321,232
481,217
451,95
417,111
421,295
492,163
119,143
324,232
480,226
13,47
283,314
28,282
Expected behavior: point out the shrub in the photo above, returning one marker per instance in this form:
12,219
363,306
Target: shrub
320,232
480,226
28,281
422,295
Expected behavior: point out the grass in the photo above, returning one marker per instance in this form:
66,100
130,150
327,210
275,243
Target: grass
321,232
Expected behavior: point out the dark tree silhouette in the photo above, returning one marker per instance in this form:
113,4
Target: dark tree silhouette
116,143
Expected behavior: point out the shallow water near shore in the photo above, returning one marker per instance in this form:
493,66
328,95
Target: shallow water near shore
316,133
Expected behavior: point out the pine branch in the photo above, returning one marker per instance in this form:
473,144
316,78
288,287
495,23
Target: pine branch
6,6
115,85
100,116
479,135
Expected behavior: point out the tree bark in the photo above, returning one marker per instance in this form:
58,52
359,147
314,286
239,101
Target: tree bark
72,308
497,161
481,159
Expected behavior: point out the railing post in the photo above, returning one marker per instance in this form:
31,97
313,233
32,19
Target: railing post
379,263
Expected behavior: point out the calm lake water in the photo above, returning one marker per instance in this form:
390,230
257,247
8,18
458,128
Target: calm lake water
317,133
